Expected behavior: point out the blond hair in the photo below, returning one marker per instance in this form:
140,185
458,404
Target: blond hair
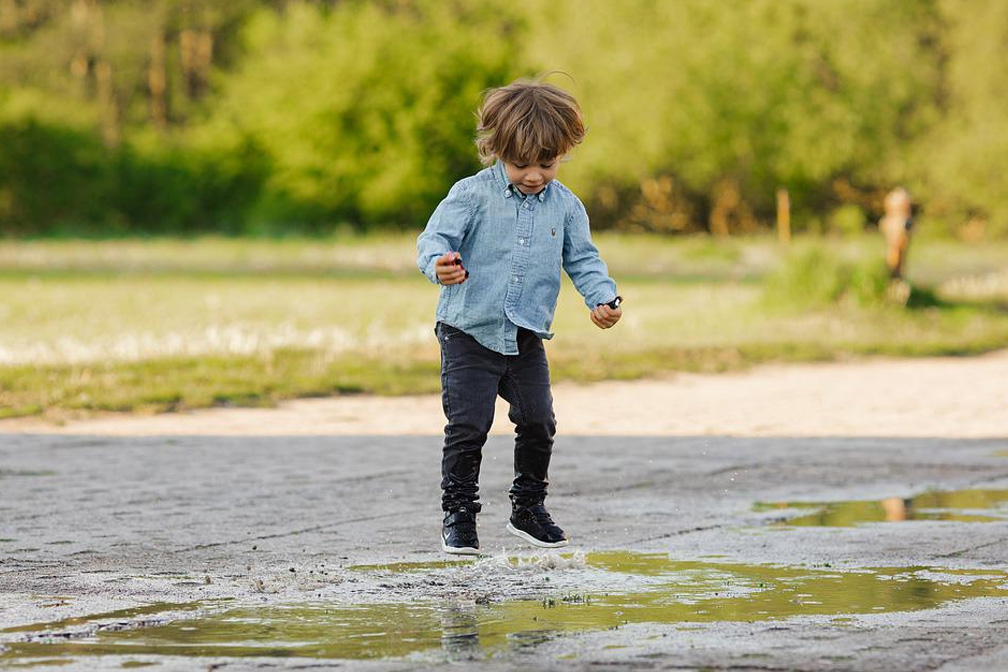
528,121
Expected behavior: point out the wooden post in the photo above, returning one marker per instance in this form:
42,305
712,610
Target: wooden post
9,19
109,104
783,216
157,81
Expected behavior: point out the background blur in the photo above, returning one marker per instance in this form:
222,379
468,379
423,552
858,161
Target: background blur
217,202
296,116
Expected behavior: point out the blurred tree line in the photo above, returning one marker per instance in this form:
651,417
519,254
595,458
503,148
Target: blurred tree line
274,116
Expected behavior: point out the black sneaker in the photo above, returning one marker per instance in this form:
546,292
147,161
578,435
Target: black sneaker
534,525
458,535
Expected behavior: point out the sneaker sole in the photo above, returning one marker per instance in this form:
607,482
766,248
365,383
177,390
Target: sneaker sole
532,540
458,550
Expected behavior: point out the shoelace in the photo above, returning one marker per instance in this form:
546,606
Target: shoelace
541,515
467,516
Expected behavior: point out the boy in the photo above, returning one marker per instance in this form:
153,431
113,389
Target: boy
496,245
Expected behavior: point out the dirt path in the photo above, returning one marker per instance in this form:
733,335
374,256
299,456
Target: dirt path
937,397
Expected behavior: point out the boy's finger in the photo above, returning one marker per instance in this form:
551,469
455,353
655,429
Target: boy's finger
448,259
605,317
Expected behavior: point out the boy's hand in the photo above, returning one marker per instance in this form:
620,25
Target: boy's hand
604,317
449,269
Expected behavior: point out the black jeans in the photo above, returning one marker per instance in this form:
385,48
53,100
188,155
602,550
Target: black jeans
471,378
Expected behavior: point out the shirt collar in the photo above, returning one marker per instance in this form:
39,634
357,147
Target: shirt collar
508,189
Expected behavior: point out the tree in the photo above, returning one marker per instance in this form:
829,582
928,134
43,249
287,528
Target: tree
731,101
365,111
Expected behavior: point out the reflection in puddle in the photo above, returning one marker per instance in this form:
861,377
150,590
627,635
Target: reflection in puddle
411,566
956,505
119,615
657,590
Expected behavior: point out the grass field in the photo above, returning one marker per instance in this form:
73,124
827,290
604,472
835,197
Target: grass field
164,324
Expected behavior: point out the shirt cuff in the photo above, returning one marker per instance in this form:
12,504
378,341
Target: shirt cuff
431,271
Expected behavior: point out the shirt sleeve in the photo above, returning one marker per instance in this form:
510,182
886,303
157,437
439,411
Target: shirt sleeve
445,229
582,262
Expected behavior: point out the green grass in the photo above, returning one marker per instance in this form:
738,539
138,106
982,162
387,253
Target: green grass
158,325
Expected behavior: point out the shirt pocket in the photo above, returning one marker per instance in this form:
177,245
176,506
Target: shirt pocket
548,238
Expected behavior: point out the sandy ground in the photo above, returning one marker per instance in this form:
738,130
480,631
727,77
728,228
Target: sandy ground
935,397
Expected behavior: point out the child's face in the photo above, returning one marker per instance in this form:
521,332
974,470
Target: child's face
532,178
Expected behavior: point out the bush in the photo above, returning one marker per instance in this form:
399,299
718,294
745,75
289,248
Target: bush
847,220
187,190
57,180
50,178
814,278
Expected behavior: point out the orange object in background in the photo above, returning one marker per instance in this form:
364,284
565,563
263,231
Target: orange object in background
895,227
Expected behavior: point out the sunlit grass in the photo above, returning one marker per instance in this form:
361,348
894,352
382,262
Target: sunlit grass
71,319
159,325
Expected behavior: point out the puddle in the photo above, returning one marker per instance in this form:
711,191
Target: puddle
398,567
653,589
119,615
54,662
962,506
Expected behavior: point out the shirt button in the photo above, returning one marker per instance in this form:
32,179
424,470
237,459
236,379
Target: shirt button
515,278
521,241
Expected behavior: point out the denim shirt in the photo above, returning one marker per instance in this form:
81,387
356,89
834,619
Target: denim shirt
513,248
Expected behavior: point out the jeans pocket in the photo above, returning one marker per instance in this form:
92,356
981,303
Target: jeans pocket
446,332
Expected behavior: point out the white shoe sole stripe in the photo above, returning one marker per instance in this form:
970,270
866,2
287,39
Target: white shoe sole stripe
532,540
460,550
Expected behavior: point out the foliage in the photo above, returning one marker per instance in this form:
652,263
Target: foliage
964,174
268,116
732,102
365,113
814,277
61,180
50,174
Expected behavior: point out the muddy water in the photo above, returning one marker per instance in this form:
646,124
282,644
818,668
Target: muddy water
652,589
964,506
397,567
119,615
